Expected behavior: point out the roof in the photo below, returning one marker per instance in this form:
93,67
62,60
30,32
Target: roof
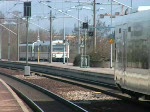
142,8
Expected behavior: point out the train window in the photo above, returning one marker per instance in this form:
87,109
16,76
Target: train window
44,48
129,29
58,49
119,30
35,48
41,49
137,29
20,49
29,49
138,54
23,49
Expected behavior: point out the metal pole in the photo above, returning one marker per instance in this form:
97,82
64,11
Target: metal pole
131,6
67,51
0,43
85,49
38,40
27,68
84,42
111,44
78,31
111,13
50,49
64,42
111,56
82,61
18,56
27,42
9,45
94,24
38,53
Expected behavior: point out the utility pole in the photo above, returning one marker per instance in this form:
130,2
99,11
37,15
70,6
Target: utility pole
64,42
18,39
85,37
111,47
78,31
50,46
9,44
38,41
0,43
94,24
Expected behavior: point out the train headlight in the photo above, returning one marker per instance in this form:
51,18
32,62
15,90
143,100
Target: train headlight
54,55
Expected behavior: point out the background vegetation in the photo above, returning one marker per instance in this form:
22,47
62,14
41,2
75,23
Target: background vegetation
102,49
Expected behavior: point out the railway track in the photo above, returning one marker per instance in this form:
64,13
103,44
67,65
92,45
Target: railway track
44,100
82,76
104,103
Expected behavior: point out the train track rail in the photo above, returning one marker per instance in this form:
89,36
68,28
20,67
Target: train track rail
104,101
82,76
42,99
109,90
95,81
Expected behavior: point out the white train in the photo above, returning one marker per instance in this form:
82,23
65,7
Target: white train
132,68
58,48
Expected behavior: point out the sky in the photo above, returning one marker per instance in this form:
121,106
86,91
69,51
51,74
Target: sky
40,11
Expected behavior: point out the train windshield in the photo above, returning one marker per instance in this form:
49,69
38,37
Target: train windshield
58,48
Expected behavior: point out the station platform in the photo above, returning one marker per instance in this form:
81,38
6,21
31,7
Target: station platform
109,71
9,101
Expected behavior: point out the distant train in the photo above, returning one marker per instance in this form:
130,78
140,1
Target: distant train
58,50
132,68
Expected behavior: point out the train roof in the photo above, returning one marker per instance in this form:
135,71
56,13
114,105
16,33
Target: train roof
138,16
24,44
57,41
141,8
54,42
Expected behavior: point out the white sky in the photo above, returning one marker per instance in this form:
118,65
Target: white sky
42,10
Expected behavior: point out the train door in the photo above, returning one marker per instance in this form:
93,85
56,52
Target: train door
124,51
124,55
120,66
